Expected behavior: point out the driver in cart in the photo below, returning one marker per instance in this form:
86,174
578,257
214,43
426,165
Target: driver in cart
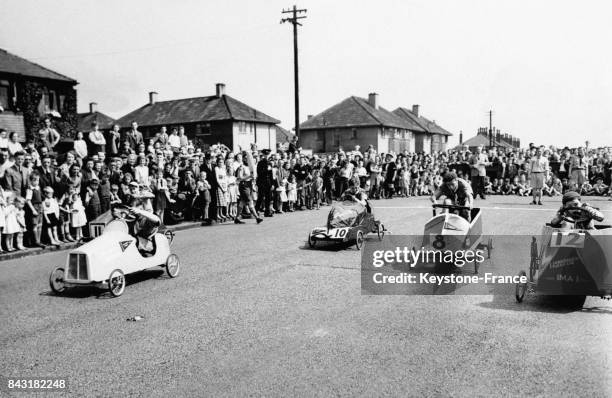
355,194
455,191
571,200
145,225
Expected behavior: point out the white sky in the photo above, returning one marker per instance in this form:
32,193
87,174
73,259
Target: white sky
544,67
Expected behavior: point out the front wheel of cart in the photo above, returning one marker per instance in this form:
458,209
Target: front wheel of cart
521,288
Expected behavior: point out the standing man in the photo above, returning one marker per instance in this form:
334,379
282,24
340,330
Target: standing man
538,166
17,176
48,177
48,136
96,138
478,162
114,138
264,184
578,169
134,137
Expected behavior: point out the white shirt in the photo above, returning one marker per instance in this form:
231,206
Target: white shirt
174,141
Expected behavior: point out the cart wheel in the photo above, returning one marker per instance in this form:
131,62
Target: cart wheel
56,280
489,248
380,230
359,240
116,283
311,241
169,234
521,288
173,266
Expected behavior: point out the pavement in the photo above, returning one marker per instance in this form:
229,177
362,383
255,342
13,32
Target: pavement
255,312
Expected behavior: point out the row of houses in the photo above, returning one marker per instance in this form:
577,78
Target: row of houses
30,92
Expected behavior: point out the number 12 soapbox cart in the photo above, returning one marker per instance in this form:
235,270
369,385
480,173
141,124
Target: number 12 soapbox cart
348,221
570,264
104,261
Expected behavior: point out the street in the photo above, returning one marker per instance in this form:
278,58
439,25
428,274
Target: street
255,312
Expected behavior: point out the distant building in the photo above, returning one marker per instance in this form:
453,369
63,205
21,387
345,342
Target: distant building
207,120
29,92
357,121
105,122
482,139
429,137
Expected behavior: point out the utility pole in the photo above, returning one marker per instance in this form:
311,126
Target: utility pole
294,21
490,129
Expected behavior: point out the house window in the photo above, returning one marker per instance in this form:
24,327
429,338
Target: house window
203,129
354,134
51,101
4,94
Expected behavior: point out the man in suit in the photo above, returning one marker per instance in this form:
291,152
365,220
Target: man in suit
48,177
478,162
264,184
16,177
134,137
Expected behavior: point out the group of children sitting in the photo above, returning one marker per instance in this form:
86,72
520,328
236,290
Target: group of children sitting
554,186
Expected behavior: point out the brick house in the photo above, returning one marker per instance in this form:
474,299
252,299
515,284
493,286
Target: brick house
429,137
29,92
357,121
207,120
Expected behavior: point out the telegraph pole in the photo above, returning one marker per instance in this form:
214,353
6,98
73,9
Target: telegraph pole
294,21
490,129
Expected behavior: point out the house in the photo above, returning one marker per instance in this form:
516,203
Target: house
430,137
483,140
30,92
85,120
283,137
207,120
357,121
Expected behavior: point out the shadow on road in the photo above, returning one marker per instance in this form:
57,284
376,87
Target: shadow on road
99,293
538,303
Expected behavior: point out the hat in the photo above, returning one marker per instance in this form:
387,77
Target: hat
266,151
133,184
449,176
569,196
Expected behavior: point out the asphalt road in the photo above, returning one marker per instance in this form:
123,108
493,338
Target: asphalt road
255,312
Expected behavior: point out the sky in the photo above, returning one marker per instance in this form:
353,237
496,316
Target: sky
543,67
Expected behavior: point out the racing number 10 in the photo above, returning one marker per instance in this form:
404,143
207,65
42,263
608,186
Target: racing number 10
340,232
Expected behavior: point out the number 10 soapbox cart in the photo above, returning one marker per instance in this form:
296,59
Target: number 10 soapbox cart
105,260
348,221
570,263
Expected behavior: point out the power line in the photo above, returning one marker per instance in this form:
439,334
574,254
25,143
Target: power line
294,21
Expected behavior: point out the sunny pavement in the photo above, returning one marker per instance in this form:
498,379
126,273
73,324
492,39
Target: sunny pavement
254,312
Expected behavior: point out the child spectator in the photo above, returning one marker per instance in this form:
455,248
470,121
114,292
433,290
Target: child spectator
15,224
78,218
64,216
2,213
291,193
202,198
600,188
34,199
50,210
92,200
104,190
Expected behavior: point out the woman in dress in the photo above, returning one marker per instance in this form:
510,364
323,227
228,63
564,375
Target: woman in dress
221,175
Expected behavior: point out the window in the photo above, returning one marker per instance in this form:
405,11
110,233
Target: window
354,134
203,129
4,94
242,127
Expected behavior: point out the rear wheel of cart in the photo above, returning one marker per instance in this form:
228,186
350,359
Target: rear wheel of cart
56,281
311,241
521,288
380,231
116,283
359,240
173,266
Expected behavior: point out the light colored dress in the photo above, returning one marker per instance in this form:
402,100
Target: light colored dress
2,208
15,220
282,192
292,192
78,218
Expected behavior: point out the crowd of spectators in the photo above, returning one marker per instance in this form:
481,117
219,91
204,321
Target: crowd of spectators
49,196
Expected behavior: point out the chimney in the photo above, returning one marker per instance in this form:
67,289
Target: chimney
461,137
415,109
93,107
309,117
152,97
220,88
373,100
